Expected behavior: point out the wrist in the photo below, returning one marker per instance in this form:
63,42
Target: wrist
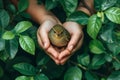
86,6
75,23
49,17
80,8
39,13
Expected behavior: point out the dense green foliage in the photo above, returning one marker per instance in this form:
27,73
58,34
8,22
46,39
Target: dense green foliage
22,59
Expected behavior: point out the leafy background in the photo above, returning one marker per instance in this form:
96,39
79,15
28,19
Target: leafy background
22,59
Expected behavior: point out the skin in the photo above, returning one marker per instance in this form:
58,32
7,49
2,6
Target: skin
47,20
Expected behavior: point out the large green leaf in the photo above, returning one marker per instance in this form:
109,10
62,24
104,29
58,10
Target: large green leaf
114,48
41,77
84,59
90,76
108,58
73,73
22,26
79,17
4,55
94,26
43,61
113,14
11,48
50,4
104,4
12,8
2,44
96,47
97,4
8,35
97,61
116,65
4,18
25,68
114,76
69,6
108,28
107,4
23,5
24,78
27,44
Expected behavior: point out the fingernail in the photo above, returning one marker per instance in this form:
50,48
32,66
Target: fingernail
71,47
45,45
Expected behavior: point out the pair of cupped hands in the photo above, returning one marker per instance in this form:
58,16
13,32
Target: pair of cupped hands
60,55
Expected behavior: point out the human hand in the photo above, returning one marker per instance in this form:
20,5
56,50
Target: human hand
43,40
75,42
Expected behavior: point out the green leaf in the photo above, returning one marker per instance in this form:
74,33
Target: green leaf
25,15
101,15
114,76
4,18
27,44
108,28
97,4
107,4
96,47
116,65
94,26
23,5
2,44
69,6
108,58
79,17
41,77
12,8
43,61
73,73
113,14
50,4
25,68
114,48
4,55
11,48
24,78
90,76
97,61
22,26
8,35
101,5
84,59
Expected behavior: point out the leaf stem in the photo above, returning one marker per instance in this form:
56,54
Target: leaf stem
116,59
79,65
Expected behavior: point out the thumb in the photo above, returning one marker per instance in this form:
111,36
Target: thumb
73,42
44,39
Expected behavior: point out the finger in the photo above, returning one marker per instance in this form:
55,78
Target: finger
52,52
63,54
64,60
44,38
80,42
54,59
68,52
39,40
74,41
